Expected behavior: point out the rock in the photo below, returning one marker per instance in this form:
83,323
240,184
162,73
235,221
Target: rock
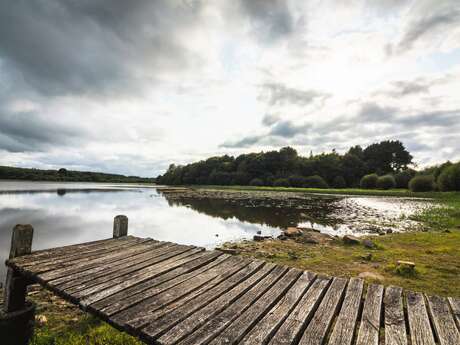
447,231
350,239
367,257
229,251
368,244
282,237
260,238
41,320
304,229
259,232
389,231
371,275
409,264
292,232
309,239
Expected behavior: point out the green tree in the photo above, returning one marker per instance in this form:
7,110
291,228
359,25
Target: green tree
387,157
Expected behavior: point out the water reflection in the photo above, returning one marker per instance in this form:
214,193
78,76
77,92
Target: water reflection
317,210
80,215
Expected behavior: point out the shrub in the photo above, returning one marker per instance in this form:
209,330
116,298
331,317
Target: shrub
281,182
386,182
422,183
315,181
339,182
256,182
402,178
297,181
369,181
450,178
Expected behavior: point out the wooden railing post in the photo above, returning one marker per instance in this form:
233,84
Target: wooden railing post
16,285
18,316
120,226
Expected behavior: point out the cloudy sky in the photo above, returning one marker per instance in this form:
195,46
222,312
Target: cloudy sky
131,86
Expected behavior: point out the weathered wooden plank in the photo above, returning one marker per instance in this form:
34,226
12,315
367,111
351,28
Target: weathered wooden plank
115,303
83,257
455,305
94,293
93,285
205,294
162,295
111,258
172,289
292,328
143,313
218,310
419,322
230,289
317,329
75,253
368,333
70,276
395,326
270,323
345,324
95,281
249,318
45,254
443,321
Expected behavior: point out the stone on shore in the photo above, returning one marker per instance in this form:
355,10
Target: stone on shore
292,232
368,244
350,239
260,238
229,251
409,264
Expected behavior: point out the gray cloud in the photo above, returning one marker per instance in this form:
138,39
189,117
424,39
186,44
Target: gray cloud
93,46
404,88
270,19
270,119
30,132
429,24
372,122
242,143
279,94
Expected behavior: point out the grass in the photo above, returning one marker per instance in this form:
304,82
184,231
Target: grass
66,325
435,254
341,191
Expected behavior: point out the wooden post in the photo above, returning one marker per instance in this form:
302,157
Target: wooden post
16,285
17,321
120,226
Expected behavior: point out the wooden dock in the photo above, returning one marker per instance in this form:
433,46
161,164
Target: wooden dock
165,293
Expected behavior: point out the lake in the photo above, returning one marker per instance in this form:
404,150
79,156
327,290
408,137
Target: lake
68,213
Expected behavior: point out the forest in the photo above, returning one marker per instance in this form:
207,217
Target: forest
64,175
383,165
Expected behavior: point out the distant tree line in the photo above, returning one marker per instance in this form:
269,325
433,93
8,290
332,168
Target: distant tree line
65,175
382,165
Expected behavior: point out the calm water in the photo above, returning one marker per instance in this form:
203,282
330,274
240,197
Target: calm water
68,213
